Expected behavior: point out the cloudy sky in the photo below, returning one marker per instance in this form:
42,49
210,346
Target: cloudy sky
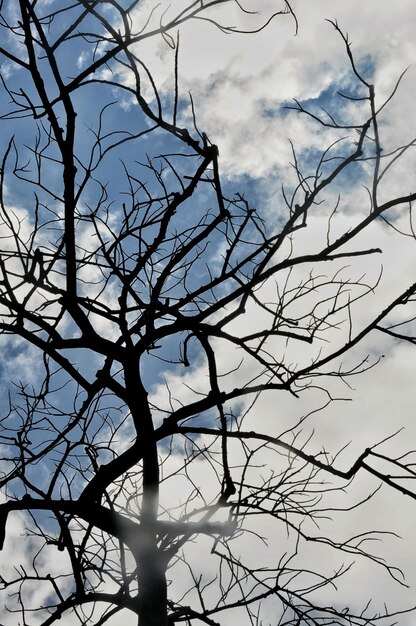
239,82
241,85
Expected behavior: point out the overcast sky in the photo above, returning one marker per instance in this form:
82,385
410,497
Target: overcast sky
240,85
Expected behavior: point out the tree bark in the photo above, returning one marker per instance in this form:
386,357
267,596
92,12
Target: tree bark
151,566
152,604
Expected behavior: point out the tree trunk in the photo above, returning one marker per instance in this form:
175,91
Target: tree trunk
151,567
152,588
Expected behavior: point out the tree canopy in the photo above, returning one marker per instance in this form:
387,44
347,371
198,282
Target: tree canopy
166,320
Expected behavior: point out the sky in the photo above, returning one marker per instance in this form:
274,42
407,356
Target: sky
241,86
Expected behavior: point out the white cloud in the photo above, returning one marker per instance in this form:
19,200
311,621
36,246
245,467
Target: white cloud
82,60
234,78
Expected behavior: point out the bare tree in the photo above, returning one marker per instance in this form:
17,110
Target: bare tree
131,264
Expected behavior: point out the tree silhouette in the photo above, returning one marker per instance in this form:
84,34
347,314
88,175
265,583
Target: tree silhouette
133,277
